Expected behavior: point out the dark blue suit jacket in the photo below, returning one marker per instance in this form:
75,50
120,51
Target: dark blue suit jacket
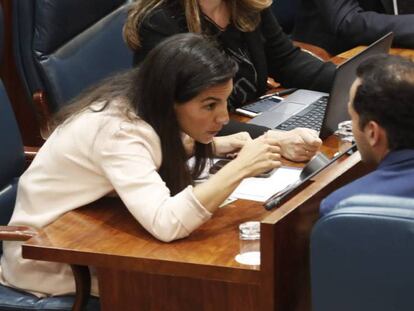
394,176
339,25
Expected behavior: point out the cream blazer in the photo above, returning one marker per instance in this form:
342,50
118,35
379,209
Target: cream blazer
86,158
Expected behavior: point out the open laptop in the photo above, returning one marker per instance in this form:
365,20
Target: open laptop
317,110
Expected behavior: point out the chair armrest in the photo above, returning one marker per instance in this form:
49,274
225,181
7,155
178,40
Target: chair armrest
80,273
16,233
82,277
313,50
30,152
43,112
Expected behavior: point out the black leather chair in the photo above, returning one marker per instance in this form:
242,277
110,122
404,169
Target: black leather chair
362,256
63,46
12,162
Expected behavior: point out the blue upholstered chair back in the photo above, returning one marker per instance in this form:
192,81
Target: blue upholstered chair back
64,46
11,150
362,256
11,166
11,157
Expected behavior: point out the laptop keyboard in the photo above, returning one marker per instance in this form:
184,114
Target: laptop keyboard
310,117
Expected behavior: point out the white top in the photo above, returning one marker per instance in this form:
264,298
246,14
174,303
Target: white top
83,160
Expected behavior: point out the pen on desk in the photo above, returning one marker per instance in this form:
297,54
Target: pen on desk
275,198
267,96
280,93
285,92
280,196
272,203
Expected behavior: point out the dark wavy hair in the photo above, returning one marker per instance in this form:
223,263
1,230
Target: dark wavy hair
174,72
386,96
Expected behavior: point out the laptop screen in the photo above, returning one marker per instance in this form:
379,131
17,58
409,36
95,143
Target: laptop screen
311,109
337,109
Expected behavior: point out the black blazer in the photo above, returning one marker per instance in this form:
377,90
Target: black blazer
339,25
272,53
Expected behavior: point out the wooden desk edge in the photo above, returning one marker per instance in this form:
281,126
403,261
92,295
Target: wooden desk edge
153,266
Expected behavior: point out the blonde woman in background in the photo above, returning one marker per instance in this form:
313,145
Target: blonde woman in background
248,32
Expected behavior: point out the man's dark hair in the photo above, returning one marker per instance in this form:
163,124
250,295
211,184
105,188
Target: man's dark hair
386,96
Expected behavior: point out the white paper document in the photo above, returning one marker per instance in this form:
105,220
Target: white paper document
260,189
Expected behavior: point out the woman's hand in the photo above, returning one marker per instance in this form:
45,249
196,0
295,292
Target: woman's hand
258,156
298,145
255,157
230,144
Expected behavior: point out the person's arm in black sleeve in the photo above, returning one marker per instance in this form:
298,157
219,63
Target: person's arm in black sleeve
347,19
288,64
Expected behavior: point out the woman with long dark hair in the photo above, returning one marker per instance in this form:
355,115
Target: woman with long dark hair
132,136
247,31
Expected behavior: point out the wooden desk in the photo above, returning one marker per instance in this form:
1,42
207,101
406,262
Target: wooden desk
136,271
394,51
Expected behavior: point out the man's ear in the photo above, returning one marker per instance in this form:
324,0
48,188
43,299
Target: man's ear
375,134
